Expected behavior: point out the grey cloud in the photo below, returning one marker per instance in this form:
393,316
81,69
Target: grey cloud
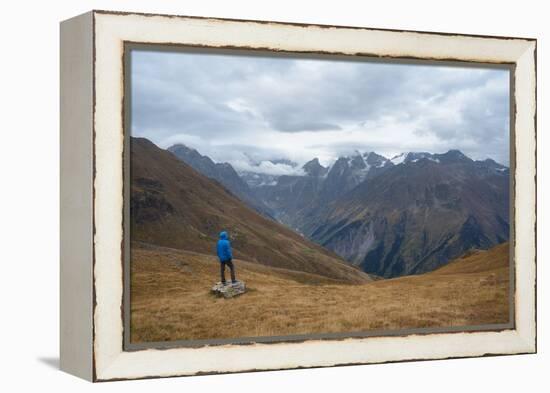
296,126
231,98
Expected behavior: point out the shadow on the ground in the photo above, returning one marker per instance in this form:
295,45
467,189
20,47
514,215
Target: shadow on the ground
52,362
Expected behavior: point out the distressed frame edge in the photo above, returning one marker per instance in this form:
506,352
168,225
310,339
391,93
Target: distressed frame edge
526,339
305,24
76,196
526,138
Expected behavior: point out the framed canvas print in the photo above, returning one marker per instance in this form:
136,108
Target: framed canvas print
247,195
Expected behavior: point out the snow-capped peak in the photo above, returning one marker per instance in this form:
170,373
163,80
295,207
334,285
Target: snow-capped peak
407,157
400,158
375,160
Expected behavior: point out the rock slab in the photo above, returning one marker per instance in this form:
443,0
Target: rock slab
229,290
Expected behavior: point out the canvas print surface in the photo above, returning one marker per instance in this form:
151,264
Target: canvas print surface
281,197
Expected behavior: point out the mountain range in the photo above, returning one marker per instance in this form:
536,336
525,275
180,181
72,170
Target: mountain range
417,215
174,205
390,217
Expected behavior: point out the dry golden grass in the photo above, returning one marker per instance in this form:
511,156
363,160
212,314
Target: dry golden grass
170,298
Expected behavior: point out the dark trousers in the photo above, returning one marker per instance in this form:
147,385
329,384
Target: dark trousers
231,267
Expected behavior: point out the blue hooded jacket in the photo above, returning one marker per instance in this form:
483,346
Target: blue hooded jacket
224,248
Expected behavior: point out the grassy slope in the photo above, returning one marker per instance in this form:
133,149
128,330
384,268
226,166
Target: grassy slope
175,206
171,300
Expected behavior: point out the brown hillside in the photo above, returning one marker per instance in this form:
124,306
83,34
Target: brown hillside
172,205
479,261
170,298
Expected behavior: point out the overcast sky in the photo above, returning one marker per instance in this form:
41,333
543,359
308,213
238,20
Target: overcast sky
244,109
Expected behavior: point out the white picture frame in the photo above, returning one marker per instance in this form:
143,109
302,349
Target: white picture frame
92,193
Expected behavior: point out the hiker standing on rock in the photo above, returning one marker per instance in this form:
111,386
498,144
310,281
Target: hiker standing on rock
225,256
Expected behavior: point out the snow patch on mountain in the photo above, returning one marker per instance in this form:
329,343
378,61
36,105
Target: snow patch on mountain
399,159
